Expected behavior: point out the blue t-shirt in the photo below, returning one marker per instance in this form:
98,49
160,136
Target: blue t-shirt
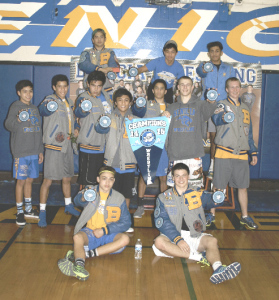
163,71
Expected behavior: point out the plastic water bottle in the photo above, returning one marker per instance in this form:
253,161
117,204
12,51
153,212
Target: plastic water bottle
138,249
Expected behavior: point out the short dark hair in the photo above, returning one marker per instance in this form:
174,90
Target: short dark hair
180,166
184,77
59,77
96,76
22,84
120,92
159,81
214,44
170,44
98,30
106,169
232,79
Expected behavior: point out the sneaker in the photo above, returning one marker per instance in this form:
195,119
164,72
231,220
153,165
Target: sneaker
249,223
70,269
209,219
204,260
20,219
210,174
70,256
33,213
130,230
224,273
70,210
42,216
139,212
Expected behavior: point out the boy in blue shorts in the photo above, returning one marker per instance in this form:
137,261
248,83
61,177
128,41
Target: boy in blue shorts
59,160
92,144
98,58
154,108
106,218
24,123
166,68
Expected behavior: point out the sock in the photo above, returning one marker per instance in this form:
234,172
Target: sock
19,207
140,201
244,216
211,165
42,206
195,256
80,262
93,253
216,265
68,201
28,204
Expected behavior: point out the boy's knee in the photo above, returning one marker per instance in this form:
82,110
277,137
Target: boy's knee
78,239
212,243
160,243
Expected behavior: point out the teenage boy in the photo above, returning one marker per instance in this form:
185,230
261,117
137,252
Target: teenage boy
249,97
106,218
119,153
98,58
58,126
92,144
234,141
181,203
214,80
26,147
166,68
154,108
184,141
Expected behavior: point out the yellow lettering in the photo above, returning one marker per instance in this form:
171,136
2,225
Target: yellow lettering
113,214
246,116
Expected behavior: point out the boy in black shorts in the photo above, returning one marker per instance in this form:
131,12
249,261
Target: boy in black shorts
24,123
57,128
92,144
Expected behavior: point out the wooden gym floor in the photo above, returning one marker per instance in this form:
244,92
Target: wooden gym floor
28,262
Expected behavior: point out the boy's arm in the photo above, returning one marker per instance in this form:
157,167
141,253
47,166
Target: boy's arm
123,224
207,109
79,112
200,71
164,224
113,63
44,112
142,69
253,150
218,115
101,129
85,63
12,122
139,111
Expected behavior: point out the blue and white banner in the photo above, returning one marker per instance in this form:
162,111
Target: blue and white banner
147,138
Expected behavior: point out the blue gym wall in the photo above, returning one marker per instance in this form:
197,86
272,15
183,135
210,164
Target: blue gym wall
36,43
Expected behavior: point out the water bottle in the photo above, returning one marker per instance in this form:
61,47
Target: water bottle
138,249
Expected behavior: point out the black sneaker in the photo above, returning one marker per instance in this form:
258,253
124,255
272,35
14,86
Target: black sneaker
33,213
20,219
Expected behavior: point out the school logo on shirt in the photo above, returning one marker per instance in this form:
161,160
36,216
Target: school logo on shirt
148,138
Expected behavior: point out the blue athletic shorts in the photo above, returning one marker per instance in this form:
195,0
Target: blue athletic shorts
94,242
162,169
26,167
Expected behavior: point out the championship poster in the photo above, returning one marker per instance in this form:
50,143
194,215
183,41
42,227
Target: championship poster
147,138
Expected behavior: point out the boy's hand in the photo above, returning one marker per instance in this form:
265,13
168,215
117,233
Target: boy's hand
106,70
98,232
41,158
254,160
166,114
130,118
76,132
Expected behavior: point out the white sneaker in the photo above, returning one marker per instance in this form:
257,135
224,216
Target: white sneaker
139,212
130,230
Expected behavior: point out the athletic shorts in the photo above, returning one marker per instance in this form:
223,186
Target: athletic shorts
234,172
26,167
94,242
163,164
211,127
59,165
124,183
192,242
196,172
89,165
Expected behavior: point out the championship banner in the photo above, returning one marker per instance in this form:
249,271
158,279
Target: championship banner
147,138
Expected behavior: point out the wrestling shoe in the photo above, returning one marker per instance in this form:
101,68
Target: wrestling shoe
210,174
33,213
70,210
20,221
224,273
139,212
70,269
248,222
70,256
203,261
131,229
209,219
42,216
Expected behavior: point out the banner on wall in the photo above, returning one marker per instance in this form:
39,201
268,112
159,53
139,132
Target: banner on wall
147,138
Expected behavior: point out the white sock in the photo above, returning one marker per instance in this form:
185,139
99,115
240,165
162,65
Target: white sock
68,201
216,265
211,165
244,216
42,206
195,256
